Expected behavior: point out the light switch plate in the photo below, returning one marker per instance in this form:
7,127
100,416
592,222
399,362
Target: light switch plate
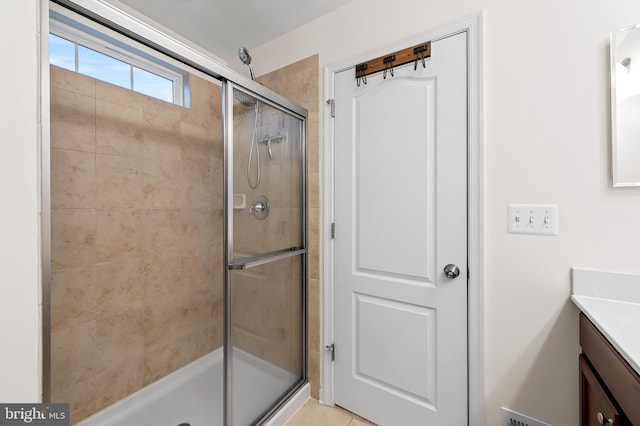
532,219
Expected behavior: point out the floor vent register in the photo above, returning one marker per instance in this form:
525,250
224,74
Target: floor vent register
511,418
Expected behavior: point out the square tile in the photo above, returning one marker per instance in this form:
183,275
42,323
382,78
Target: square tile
73,355
314,414
168,110
118,234
161,274
119,96
119,341
73,297
119,286
73,238
115,385
72,81
73,120
161,138
161,183
119,129
81,397
118,182
162,231
73,179
198,230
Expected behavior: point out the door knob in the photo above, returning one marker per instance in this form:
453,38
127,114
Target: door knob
603,420
451,271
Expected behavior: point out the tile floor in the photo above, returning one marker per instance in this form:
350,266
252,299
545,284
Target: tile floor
314,414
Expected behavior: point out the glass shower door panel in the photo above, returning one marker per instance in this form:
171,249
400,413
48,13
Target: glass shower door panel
267,335
267,178
266,254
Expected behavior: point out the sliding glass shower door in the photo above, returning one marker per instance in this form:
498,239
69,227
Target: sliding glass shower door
266,255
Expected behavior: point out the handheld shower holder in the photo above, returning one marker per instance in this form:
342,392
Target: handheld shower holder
268,139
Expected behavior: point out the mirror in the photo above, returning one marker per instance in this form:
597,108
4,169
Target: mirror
625,106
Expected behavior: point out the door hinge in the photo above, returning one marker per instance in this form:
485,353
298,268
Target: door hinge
333,231
332,103
331,348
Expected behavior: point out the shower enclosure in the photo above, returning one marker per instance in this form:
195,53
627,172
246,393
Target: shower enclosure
265,240
174,282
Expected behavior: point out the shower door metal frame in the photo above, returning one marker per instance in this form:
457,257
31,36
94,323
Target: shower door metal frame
143,32
261,259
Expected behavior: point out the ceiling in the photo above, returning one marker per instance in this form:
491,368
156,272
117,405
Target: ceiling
221,26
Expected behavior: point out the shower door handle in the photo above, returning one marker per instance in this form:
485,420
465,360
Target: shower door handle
261,259
451,271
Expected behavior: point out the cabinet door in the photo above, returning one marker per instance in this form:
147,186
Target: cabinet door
595,406
619,379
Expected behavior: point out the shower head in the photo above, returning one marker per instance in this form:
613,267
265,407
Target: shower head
245,99
244,56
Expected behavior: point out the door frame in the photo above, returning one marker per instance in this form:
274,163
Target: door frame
473,25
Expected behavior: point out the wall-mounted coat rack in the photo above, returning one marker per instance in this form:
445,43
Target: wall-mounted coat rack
386,63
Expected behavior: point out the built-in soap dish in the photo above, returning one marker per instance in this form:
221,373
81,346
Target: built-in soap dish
239,201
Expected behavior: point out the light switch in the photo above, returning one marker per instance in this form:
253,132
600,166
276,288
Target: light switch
533,219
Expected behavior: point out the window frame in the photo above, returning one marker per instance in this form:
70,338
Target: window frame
108,46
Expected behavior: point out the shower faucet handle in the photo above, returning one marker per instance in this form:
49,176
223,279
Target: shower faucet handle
258,207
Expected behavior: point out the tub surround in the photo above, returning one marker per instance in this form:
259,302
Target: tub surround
136,203
136,237
611,301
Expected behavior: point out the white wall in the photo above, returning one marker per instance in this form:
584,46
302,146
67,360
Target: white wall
19,250
547,141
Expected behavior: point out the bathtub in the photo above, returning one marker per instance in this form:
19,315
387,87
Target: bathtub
193,395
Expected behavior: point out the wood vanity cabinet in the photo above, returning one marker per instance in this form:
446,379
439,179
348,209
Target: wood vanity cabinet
609,387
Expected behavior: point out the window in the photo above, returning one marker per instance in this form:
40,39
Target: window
96,55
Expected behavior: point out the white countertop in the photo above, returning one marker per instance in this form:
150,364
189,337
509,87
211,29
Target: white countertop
612,302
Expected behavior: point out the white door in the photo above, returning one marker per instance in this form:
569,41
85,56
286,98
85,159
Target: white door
401,216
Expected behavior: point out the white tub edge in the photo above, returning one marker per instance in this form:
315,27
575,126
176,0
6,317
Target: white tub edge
132,402
161,386
292,406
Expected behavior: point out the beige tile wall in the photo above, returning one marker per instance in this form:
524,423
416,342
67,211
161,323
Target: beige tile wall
300,82
136,256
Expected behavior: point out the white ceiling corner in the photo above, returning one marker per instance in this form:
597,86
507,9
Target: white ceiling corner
222,26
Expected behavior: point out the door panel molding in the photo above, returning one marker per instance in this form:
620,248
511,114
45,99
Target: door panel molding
370,111
377,367
473,25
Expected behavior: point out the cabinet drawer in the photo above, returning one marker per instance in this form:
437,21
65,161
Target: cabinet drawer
595,406
621,380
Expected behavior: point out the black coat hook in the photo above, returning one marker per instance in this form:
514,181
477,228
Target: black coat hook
361,73
419,52
388,65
